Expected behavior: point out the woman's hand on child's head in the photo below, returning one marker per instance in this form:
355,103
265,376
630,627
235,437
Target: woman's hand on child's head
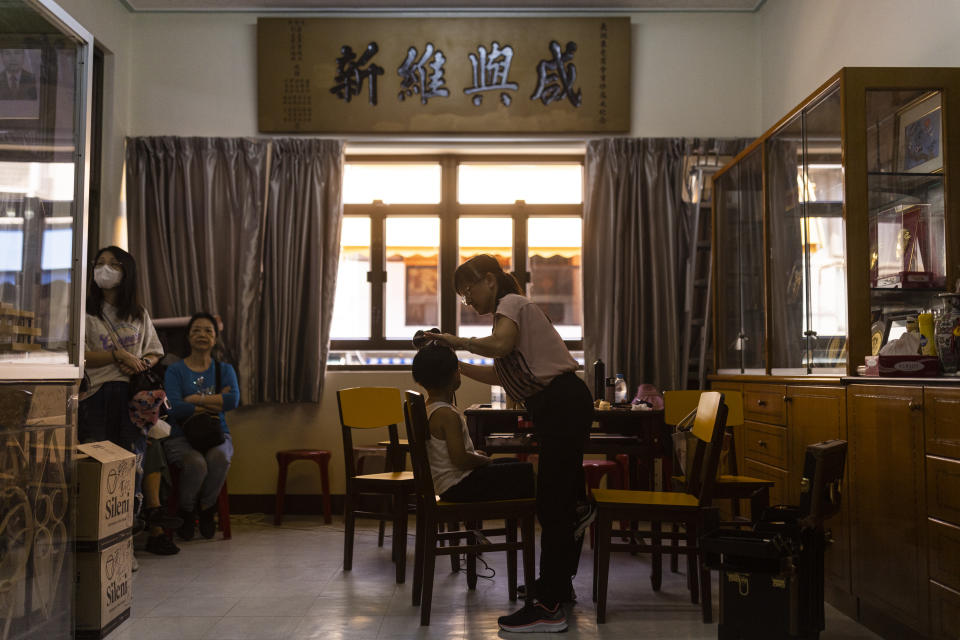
446,339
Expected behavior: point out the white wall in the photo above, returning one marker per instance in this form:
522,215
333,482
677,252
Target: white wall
804,43
111,26
695,74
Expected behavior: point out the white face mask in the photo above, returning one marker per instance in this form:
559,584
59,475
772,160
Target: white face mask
107,277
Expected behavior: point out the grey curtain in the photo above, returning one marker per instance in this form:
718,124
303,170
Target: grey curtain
248,229
194,212
301,253
636,231
631,280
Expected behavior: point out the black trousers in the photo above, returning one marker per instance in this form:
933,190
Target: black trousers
562,414
502,479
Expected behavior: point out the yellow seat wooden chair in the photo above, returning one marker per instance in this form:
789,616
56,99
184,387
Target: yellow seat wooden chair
431,512
374,408
695,512
679,407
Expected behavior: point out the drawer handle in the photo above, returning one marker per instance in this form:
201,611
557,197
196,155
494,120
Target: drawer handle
762,444
787,399
916,406
761,403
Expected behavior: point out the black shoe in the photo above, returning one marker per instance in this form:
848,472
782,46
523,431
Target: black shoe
208,528
139,524
157,517
535,618
186,529
162,545
522,592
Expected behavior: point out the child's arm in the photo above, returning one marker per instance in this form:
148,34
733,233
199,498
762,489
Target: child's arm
445,423
480,372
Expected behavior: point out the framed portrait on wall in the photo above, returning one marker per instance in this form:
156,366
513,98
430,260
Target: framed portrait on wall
920,136
20,86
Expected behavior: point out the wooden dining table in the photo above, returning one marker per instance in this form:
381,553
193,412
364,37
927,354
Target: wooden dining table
642,435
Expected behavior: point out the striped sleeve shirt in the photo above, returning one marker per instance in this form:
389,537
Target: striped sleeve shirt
539,354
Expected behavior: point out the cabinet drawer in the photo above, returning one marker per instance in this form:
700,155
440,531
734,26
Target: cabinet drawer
764,402
765,443
944,612
778,493
941,421
943,488
945,553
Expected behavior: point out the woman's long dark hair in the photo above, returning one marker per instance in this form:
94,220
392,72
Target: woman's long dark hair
474,269
128,304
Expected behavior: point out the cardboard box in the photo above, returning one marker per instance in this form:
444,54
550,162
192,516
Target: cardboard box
908,366
104,588
105,479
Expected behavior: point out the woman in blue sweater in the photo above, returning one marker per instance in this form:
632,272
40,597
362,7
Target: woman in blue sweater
191,388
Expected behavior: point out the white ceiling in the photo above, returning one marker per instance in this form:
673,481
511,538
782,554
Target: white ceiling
441,5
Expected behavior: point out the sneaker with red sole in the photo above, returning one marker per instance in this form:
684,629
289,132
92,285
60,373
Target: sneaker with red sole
535,618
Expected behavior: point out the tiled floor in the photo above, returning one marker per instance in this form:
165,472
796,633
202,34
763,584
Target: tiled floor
288,582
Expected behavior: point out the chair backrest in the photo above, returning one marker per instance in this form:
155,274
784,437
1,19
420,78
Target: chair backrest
368,408
677,405
418,432
708,428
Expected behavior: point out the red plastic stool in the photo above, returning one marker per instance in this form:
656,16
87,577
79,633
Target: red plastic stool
284,458
594,470
223,502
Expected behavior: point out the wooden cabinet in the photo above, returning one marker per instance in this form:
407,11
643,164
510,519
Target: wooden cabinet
895,558
942,429
827,231
815,414
888,504
763,441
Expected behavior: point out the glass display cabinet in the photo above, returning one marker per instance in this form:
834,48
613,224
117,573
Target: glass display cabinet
834,228
46,62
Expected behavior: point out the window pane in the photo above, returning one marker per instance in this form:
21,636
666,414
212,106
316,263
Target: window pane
391,183
413,250
351,307
483,235
554,265
507,183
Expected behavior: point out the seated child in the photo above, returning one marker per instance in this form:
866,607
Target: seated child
460,473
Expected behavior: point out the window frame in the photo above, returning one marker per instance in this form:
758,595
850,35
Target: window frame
449,211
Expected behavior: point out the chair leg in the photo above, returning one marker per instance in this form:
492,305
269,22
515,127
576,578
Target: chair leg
472,557
324,464
656,556
511,526
281,493
454,557
675,548
418,552
429,564
348,524
602,574
693,567
528,533
223,511
706,596
400,535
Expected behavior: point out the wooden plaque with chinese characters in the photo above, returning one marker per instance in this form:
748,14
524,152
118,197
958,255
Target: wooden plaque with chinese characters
443,75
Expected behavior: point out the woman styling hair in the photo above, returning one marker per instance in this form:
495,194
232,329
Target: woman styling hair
534,366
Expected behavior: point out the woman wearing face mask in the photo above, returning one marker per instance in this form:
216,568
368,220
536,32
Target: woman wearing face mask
120,341
191,386
534,366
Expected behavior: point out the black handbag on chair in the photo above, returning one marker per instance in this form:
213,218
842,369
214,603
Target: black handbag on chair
202,430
